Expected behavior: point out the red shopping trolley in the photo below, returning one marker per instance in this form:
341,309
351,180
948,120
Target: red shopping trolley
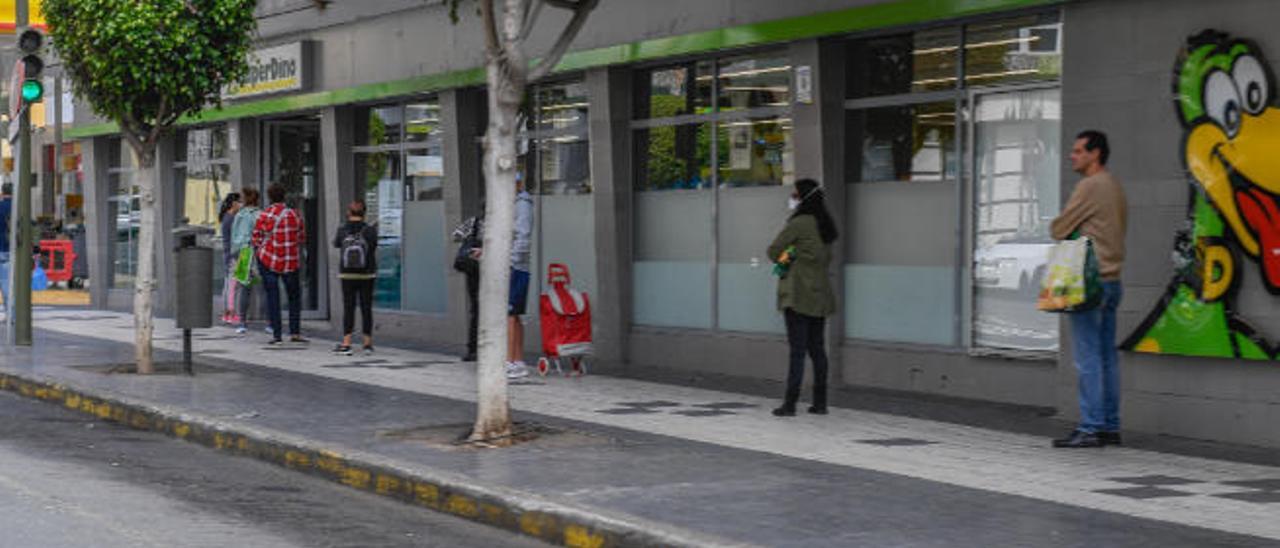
566,323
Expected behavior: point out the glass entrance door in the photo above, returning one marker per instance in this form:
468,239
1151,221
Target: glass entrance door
1017,162
291,156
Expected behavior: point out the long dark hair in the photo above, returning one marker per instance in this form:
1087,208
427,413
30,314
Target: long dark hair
227,203
811,203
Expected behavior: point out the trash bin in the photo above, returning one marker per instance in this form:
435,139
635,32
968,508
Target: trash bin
194,265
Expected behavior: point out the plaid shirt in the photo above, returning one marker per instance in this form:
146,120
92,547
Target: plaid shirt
278,236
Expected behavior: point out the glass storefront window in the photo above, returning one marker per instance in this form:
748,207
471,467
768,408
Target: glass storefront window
921,61
382,126
402,181
203,178
123,205
755,81
1014,50
422,122
1017,166
561,106
758,152
902,143
675,91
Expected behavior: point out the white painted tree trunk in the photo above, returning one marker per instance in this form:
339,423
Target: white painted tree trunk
144,279
493,412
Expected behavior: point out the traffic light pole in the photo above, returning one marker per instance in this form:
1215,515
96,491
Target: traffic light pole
21,253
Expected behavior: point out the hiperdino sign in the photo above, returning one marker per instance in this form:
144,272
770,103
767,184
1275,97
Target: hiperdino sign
272,70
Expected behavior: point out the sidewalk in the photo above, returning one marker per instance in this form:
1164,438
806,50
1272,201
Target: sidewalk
632,462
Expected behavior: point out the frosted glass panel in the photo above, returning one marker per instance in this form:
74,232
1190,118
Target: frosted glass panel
900,303
672,278
673,294
750,217
423,287
568,236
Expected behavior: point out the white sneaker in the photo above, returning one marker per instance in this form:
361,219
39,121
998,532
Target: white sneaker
516,370
240,330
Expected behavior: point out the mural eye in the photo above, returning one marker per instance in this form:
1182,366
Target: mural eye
1251,79
1222,102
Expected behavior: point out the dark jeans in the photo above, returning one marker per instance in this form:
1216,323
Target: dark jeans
353,291
293,289
805,335
473,310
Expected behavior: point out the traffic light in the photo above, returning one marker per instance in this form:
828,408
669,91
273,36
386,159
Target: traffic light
29,43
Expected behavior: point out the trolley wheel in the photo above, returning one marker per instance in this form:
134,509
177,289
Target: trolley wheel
543,366
579,366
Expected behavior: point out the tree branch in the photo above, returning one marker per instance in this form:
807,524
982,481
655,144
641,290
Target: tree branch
581,9
131,131
161,113
488,17
530,18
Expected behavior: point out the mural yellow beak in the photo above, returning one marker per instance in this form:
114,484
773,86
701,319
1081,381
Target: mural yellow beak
1253,155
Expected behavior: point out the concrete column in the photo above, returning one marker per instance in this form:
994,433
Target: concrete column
337,175
169,214
461,115
609,90
242,139
818,141
97,217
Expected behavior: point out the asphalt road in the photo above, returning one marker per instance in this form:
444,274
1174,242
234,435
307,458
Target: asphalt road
69,481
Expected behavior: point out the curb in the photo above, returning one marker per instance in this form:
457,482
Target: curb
517,511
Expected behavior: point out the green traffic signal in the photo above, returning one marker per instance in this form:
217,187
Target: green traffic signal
32,91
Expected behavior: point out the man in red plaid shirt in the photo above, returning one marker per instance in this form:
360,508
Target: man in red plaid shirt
279,236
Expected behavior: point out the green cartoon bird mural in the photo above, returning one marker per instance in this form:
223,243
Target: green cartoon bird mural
1224,95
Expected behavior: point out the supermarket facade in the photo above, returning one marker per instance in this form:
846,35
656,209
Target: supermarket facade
660,156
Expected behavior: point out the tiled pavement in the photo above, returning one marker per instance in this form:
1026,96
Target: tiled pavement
1145,486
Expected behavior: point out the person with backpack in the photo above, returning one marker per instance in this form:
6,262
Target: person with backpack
357,243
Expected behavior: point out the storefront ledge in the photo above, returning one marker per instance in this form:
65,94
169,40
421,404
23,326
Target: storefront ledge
708,333
1028,356
1041,356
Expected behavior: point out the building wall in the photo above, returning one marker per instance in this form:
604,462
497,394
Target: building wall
1117,77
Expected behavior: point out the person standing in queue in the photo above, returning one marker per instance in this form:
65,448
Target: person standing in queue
802,256
357,243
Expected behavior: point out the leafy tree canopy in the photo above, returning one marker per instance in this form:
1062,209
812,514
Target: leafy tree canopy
146,63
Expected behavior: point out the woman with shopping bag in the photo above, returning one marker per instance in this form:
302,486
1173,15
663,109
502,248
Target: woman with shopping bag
802,256
245,270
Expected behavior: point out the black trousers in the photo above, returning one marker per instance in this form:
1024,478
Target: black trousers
805,335
354,291
473,310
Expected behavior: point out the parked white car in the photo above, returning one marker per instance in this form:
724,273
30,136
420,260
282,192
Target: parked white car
1016,265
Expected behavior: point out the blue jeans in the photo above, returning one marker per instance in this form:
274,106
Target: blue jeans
293,290
1093,336
4,278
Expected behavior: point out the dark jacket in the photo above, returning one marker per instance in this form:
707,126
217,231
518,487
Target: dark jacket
370,234
806,288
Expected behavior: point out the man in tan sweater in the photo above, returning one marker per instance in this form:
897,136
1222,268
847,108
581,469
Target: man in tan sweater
1097,210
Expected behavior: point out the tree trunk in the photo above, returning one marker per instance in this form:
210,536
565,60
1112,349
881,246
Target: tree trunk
144,279
493,412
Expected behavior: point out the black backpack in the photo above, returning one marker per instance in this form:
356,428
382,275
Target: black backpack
355,251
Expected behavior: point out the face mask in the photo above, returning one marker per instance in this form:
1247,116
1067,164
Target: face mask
793,203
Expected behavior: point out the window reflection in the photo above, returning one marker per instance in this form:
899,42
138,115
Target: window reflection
675,157
905,63
1014,50
747,82
902,143
562,106
759,152
675,91
422,122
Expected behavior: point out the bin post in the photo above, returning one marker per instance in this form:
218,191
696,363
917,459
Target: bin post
194,306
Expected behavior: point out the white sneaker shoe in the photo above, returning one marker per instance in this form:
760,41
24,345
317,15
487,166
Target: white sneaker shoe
241,330
516,370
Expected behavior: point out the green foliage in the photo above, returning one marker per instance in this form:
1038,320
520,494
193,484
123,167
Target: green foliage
145,63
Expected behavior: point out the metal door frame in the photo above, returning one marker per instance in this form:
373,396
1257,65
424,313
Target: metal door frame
268,144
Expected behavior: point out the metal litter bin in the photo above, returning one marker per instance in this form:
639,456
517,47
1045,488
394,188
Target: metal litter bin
194,284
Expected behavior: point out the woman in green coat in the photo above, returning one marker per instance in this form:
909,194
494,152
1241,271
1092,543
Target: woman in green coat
802,252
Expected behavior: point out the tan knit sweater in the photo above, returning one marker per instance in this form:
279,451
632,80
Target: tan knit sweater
1100,211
